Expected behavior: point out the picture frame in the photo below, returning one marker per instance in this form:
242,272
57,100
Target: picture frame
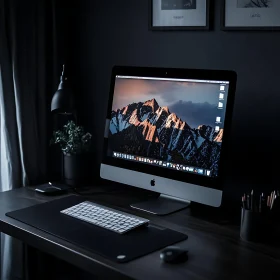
168,15
250,15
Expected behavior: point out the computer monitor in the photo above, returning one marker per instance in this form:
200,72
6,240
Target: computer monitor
167,131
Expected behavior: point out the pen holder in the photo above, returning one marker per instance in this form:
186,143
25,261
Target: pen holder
254,226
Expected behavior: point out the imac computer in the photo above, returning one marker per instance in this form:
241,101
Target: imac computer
167,131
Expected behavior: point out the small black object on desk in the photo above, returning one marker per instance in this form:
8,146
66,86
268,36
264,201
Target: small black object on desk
174,254
51,189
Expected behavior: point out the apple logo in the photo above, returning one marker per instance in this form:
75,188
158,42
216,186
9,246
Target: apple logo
153,182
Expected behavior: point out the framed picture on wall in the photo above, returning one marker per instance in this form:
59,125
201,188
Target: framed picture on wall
250,15
179,14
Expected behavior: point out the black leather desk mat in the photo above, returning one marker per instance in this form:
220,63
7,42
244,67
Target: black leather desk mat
134,244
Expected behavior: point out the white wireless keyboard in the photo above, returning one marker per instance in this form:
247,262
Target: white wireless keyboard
105,217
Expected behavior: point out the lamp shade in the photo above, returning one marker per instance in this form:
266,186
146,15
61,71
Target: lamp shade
63,99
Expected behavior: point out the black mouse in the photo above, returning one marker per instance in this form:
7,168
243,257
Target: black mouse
173,254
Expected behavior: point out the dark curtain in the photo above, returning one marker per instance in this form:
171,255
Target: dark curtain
28,78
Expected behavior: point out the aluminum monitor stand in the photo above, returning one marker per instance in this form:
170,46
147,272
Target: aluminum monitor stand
163,205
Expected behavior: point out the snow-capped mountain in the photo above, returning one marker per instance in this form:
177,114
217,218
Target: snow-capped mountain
149,130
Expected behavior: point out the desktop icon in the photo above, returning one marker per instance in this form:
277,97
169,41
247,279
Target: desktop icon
221,96
218,119
222,87
220,105
217,128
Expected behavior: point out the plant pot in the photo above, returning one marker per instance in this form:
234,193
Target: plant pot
76,169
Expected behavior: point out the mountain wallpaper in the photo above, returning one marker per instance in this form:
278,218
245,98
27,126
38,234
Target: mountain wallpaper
146,129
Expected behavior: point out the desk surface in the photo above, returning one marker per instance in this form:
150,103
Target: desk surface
215,249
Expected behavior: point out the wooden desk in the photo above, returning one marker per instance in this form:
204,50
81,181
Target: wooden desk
215,250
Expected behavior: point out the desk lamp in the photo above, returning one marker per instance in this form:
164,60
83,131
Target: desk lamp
63,99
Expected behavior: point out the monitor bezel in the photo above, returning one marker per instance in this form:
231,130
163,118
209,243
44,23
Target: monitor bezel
180,73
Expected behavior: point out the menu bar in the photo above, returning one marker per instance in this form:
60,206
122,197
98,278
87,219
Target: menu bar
173,79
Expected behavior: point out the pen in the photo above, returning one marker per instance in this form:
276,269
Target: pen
268,201
252,201
243,202
272,201
248,202
261,203
271,198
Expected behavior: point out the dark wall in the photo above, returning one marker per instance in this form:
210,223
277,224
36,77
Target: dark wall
106,33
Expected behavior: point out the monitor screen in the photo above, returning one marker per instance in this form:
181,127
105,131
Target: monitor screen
171,123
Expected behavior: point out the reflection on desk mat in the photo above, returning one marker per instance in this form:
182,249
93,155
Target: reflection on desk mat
101,241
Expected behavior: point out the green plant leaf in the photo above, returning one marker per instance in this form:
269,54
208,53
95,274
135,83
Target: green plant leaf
72,139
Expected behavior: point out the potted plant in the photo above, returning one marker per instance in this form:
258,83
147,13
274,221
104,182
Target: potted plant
75,144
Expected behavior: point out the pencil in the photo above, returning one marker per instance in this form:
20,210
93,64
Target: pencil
271,197
272,201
